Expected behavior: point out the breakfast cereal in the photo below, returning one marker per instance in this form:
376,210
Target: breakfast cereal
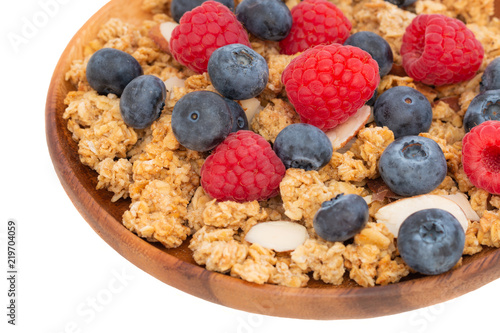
161,178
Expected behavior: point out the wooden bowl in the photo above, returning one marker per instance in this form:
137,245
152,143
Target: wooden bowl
176,267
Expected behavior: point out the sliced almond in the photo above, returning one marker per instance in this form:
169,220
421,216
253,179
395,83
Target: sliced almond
347,146
161,35
251,107
393,214
340,135
380,190
462,200
280,236
368,199
371,118
173,82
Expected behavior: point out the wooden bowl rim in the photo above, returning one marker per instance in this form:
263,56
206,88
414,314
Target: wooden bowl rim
326,303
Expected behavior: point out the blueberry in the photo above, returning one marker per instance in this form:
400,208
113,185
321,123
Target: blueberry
491,76
201,120
240,120
142,101
404,110
179,7
341,218
412,165
303,146
266,19
372,100
110,70
401,3
431,241
238,72
376,46
485,106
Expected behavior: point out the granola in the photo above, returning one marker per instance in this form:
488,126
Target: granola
489,229
162,179
273,118
324,259
217,249
371,258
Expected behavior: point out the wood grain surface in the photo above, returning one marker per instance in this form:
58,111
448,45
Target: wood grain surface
176,267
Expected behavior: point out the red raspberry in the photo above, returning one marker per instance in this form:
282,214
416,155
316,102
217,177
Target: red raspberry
439,50
203,30
481,156
328,83
242,168
315,22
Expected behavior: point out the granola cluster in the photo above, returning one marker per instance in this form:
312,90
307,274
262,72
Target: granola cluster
162,179
372,258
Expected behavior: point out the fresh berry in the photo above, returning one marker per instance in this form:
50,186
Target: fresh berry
376,46
439,50
315,22
242,168
485,106
431,241
142,101
303,146
404,110
491,76
179,7
412,165
373,99
328,83
201,120
481,156
240,120
402,3
341,218
203,30
238,72
110,70
266,19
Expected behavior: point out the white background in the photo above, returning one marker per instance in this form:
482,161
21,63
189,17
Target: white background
68,276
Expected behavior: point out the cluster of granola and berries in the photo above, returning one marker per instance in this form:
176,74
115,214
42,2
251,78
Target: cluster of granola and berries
297,139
